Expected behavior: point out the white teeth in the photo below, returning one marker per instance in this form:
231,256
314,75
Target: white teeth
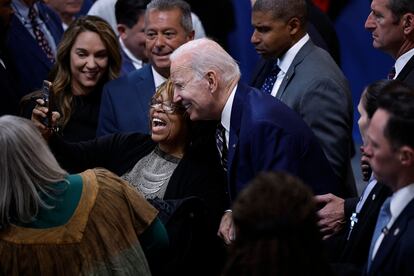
157,120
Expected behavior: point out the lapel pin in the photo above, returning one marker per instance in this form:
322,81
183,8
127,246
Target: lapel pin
234,146
396,231
373,197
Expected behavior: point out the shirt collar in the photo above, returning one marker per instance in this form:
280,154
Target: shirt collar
226,113
400,200
22,9
402,61
136,62
158,79
286,60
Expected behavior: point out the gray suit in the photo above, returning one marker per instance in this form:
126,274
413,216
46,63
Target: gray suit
315,88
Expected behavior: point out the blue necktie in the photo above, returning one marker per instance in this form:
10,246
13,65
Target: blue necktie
384,217
221,145
270,80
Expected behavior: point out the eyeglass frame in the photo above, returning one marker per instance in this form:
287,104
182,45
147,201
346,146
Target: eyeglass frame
170,108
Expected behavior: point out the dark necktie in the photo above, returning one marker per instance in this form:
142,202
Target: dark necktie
39,35
270,79
221,145
384,217
391,74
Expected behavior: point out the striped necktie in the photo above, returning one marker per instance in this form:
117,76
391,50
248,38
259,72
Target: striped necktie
221,145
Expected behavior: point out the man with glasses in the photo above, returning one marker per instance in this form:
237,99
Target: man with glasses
125,101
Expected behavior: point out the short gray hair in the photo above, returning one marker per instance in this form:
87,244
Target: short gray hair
27,169
167,5
207,54
283,9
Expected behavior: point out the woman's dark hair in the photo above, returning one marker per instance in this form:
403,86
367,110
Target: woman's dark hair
369,98
276,229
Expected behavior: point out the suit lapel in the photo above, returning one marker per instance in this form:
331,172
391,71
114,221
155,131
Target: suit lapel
235,122
144,89
22,35
391,239
406,70
300,56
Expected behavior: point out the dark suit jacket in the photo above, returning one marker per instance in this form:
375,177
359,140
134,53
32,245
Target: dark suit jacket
396,253
127,65
125,103
31,63
316,89
407,73
354,250
265,135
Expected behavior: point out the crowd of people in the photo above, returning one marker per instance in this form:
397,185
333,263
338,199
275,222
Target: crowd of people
148,155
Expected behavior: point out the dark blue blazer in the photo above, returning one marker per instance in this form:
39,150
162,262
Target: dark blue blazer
266,135
127,65
31,64
125,103
395,255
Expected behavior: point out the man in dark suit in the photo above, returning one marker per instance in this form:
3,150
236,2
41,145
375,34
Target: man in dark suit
390,150
306,78
32,61
131,28
125,101
257,132
392,26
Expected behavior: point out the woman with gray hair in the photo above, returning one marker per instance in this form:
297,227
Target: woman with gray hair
53,223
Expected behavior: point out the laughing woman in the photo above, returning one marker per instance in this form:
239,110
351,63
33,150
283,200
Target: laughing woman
87,57
170,164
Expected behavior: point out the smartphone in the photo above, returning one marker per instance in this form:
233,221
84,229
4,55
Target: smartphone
47,97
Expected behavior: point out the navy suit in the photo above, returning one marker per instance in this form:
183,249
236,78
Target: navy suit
395,255
125,103
266,135
127,65
31,63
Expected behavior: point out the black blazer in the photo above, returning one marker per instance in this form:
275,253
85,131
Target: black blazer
396,253
353,246
407,73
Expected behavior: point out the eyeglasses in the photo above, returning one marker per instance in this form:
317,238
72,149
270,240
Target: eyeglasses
167,107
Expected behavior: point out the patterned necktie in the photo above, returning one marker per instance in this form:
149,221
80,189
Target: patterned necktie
221,145
391,74
384,217
40,36
270,80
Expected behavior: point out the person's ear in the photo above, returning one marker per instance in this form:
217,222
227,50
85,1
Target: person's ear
212,81
406,156
408,23
294,25
122,28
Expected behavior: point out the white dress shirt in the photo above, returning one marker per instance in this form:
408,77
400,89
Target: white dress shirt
402,61
226,114
286,60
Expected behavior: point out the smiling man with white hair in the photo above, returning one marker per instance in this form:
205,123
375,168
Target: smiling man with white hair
257,132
